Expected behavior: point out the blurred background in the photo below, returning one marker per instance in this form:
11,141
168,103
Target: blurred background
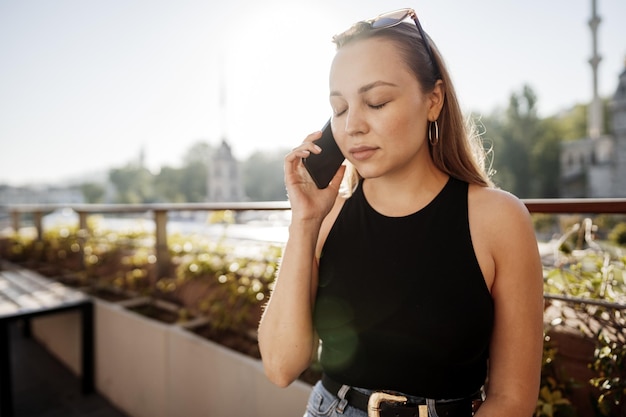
155,101
88,89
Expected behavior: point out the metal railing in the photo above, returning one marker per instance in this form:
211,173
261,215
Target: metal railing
160,213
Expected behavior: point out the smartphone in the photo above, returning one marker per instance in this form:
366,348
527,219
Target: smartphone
323,166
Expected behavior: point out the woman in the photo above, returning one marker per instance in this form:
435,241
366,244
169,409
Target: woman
424,281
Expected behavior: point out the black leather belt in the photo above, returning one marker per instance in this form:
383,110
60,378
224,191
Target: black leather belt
458,408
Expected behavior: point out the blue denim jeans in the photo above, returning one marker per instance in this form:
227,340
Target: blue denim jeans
325,404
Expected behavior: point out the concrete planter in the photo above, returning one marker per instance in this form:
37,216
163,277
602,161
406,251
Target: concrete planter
207,379
131,360
150,369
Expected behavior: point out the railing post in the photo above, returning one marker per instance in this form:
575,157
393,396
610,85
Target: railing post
15,219
82,220
83,233
161,248
37,219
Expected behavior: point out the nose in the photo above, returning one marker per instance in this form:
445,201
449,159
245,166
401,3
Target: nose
355,122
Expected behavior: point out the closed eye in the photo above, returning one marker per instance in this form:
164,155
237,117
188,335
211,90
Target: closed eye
377,106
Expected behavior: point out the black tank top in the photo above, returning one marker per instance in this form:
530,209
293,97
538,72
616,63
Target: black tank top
402,304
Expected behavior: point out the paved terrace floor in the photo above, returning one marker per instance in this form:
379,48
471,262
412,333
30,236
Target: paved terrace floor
43,387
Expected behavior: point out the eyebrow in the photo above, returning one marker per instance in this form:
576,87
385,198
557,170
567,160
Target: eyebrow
368,87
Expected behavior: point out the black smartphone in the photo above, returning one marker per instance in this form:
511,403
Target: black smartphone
323,166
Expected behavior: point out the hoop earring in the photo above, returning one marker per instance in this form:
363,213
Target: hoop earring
433,141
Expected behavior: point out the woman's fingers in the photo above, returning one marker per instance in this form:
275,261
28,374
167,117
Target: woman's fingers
313,136
305,148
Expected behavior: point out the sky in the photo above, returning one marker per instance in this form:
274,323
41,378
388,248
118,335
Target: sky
86,86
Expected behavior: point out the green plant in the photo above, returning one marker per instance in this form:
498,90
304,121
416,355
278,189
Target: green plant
552,401
618,234
591,275
610,363
237,286
18,248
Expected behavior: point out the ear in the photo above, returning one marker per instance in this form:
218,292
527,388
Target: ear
435,101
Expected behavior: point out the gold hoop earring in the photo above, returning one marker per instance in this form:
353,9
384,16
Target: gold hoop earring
433,141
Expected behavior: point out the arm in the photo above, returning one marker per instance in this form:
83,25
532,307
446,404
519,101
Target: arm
286,337
517,291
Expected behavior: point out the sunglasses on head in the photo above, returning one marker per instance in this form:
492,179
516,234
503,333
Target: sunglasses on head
390,19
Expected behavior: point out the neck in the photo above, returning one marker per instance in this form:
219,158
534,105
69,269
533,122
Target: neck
397,197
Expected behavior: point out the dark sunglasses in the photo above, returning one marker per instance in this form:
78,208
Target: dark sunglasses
390,19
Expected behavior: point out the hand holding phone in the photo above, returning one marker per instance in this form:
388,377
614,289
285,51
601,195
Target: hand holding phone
323,166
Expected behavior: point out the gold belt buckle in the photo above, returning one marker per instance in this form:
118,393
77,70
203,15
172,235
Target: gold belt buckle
373,404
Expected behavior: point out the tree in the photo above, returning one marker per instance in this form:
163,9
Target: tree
134,184
193,181
522,133
263,176
514,134
195,171
573,123
167,185
93,192
545,160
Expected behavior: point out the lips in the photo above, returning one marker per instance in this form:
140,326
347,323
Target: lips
361,153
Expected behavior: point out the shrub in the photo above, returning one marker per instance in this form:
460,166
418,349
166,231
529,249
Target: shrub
610,363
618,234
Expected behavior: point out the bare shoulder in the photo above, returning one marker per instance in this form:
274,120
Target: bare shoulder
499,222
503,236
497,207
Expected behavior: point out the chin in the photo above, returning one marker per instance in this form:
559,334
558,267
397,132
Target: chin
369,174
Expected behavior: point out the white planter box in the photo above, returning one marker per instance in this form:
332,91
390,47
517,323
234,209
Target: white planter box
131,360
207,379
150,369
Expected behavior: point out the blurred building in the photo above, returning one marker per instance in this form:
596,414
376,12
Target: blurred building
595,166
224,182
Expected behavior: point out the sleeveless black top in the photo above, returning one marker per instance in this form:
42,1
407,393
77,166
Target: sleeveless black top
402,304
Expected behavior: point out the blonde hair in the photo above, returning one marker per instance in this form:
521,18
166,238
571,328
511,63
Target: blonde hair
459,152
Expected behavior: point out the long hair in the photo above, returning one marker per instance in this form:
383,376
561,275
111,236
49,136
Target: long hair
459,152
